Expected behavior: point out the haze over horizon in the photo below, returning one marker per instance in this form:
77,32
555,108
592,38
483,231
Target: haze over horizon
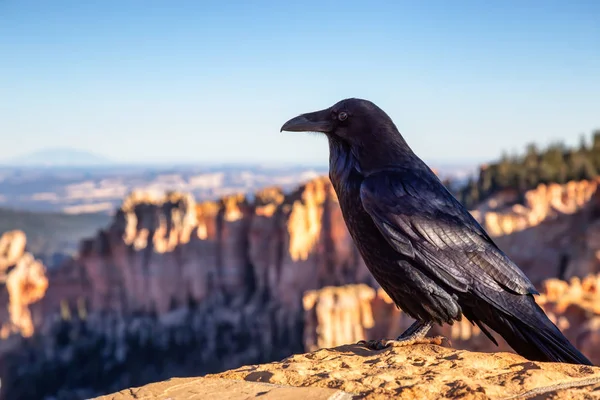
73,157
214,82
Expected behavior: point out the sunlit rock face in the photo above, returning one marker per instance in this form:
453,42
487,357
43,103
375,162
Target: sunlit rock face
163,252
501,216
22,282
554,233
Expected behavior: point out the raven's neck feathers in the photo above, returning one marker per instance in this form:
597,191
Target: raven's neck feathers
383,146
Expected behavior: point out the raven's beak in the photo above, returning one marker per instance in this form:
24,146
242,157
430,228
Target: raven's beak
319,121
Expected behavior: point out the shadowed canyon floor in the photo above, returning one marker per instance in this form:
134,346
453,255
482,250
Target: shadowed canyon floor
420,371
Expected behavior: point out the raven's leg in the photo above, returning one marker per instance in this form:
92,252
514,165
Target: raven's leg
413,335
417,330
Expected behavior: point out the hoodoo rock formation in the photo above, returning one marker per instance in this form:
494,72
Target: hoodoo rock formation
554,233
176,288
502,215
23,281
162,253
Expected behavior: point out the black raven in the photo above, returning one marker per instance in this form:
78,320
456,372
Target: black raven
422,246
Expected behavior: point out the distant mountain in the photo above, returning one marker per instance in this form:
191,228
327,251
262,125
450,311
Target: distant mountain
59,157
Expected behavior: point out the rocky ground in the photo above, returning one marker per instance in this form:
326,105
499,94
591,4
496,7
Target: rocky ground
420,371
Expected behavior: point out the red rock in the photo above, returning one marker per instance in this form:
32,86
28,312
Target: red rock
22,282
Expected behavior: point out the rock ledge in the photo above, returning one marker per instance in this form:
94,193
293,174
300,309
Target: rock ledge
421,371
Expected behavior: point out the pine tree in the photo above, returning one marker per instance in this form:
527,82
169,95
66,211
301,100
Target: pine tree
556,163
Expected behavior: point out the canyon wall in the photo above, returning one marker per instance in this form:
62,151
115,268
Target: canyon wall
160,254
163,253
172,287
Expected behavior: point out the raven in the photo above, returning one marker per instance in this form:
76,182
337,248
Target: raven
422,246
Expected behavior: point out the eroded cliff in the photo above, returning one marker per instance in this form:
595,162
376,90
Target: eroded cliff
554,232
161,253
216,285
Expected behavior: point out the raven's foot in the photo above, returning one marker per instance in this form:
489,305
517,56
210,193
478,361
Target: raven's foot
384,343
437,340
415,334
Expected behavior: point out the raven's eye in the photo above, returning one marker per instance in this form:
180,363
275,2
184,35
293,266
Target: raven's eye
343,116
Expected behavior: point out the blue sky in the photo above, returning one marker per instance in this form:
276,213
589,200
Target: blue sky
213,81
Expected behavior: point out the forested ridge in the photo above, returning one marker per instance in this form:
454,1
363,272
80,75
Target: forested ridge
556,163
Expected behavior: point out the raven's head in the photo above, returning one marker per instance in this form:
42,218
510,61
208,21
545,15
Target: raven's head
347,120
359,124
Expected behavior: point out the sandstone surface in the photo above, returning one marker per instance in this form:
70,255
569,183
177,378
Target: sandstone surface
225,389
420,371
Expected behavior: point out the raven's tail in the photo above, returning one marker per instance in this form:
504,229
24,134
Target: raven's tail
531,334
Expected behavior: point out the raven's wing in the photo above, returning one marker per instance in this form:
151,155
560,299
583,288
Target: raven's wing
420,219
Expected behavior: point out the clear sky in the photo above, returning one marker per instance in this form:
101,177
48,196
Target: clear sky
207,81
